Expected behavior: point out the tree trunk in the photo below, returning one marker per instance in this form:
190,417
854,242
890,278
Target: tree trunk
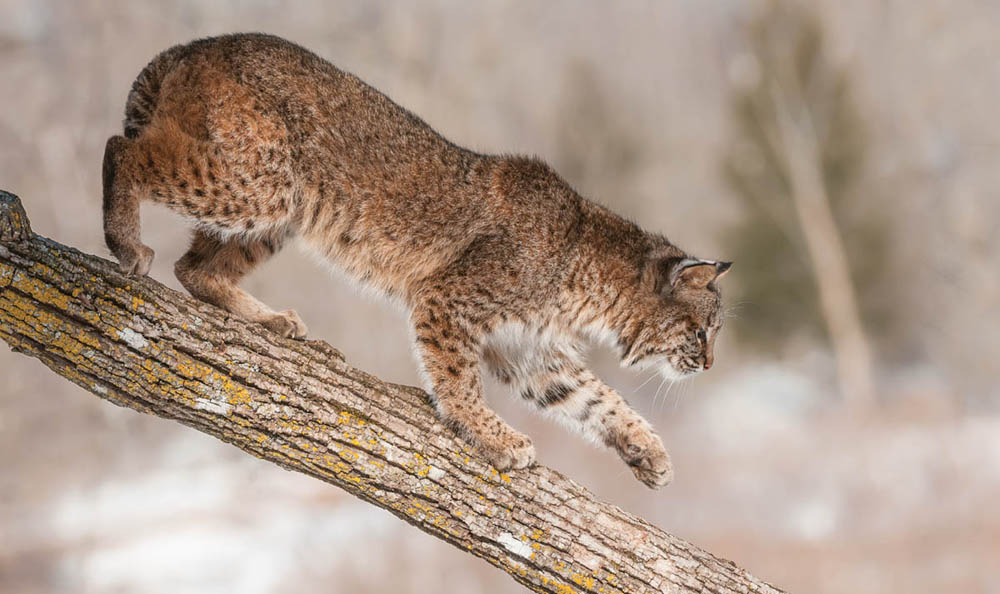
138,344
798,145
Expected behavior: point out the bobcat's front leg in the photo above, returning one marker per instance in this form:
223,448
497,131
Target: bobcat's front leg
560,385
641,448
605,415
450,360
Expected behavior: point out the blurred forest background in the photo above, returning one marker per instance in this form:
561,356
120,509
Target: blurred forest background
843,153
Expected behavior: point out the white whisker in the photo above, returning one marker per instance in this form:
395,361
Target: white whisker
686,389
673,382
643,384
657,394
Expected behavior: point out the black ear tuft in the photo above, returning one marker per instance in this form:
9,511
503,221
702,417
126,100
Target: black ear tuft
721,268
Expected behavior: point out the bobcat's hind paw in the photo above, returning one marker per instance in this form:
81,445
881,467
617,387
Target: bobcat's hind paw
287,323
135,260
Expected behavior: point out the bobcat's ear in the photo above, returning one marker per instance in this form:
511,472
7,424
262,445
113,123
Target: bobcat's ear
696,274
666,274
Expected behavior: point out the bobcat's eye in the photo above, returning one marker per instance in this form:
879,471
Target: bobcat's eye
702,337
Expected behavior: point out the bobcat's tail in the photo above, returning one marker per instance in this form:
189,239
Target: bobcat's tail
142,99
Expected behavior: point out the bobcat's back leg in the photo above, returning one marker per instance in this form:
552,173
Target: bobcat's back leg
121,211
212,268
249,193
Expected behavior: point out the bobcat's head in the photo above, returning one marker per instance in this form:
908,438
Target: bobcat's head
678,316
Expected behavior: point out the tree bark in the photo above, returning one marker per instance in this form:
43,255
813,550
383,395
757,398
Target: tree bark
136,343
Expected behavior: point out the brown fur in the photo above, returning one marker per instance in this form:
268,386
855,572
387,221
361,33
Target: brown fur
497,259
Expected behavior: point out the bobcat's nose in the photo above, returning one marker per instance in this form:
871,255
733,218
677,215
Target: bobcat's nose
709,359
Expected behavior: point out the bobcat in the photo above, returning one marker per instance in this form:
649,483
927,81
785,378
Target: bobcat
496,258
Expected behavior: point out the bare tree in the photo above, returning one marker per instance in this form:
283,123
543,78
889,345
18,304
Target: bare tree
138,344
798,149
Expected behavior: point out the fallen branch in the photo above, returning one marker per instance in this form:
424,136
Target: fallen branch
138,344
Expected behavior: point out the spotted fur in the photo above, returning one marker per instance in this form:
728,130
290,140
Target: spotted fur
497,259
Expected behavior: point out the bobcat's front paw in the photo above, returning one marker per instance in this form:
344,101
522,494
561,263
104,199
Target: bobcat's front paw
643,451
287,323
513,451
135,260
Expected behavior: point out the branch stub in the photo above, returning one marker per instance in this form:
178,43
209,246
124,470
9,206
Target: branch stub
14,224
